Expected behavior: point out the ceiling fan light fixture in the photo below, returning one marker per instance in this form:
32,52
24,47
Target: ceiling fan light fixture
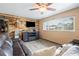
42,9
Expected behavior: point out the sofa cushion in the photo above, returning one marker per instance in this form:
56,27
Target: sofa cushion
7,49
2,53
9,42
2,39
72,51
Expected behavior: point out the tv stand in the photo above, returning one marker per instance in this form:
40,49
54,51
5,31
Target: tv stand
30,36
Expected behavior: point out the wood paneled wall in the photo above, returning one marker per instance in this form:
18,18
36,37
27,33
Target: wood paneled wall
12,20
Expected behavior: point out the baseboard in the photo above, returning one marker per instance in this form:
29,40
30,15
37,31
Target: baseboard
51,41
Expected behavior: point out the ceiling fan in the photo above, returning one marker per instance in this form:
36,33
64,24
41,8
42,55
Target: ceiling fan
42,7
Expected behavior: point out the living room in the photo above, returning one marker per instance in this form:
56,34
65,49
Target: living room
40,29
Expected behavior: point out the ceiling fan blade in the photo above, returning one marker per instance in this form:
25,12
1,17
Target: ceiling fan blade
51,9
34,9
38,4
49,4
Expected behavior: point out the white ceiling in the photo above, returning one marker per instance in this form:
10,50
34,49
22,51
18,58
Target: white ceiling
22,9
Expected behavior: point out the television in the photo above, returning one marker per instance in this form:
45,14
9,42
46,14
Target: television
30,24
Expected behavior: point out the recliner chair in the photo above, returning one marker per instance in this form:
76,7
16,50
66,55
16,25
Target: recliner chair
6,48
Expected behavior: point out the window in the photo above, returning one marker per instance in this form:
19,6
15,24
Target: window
61,24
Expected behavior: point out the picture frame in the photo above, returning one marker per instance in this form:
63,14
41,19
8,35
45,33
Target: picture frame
60,24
